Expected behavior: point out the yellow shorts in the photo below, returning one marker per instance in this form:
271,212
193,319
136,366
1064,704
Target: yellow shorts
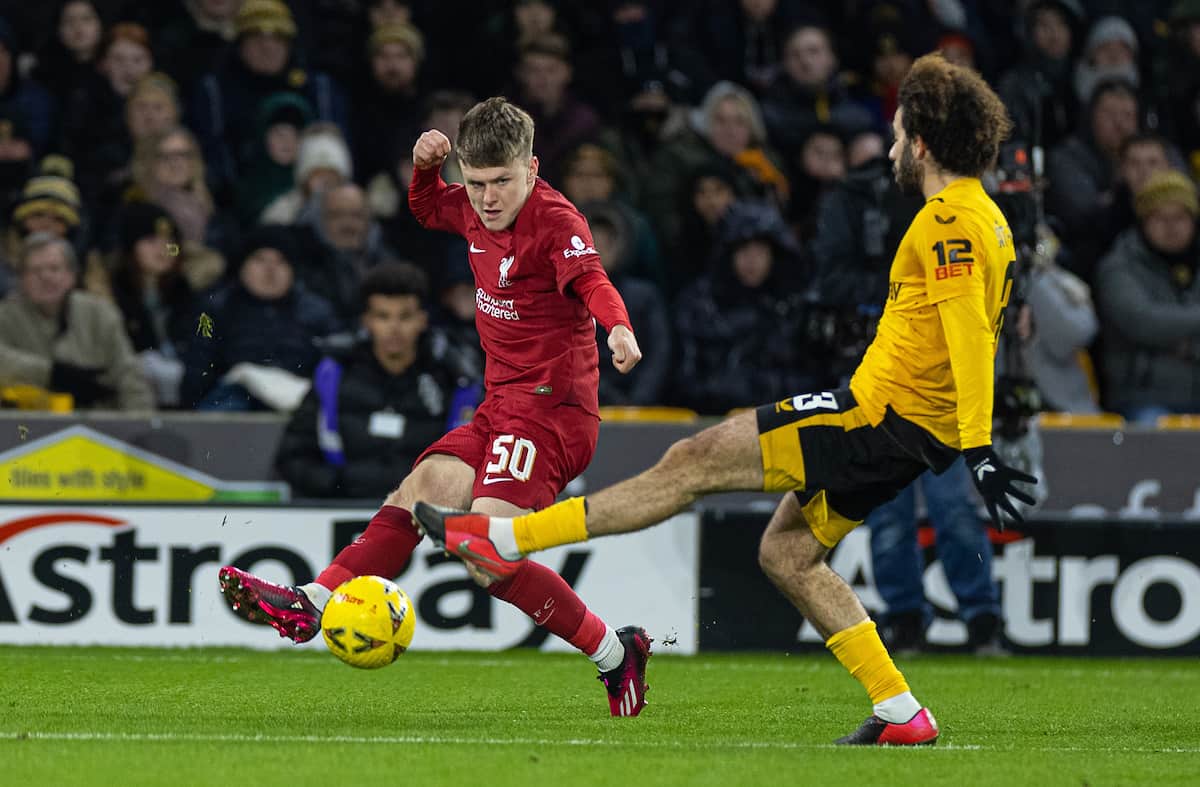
822,447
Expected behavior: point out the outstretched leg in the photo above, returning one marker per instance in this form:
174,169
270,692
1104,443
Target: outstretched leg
794,559
723,458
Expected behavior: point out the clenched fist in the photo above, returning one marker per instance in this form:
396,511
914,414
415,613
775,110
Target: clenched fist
431,150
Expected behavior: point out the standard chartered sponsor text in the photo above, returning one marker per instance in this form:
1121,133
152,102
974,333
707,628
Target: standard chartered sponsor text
495,307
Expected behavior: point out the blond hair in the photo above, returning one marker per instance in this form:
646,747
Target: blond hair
145,153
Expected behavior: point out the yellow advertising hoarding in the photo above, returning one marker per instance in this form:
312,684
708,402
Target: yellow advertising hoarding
79,463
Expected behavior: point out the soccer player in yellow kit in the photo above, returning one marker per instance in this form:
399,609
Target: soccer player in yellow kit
922,396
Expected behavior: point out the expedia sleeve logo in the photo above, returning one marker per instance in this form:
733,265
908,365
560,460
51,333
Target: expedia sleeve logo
578,248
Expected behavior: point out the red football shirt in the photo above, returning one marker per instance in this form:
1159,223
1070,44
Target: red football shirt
537,335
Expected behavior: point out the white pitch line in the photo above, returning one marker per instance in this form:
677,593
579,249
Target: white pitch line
437,740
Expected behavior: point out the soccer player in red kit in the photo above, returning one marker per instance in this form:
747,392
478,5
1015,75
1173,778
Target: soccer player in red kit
539,284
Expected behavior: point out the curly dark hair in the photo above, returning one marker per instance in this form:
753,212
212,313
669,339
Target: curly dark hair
394,278
955,113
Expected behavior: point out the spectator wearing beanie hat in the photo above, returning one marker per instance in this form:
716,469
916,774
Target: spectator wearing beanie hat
1110,53
264,62
322,162
49,203
264,325
387,106
19,94
1148,292
270,172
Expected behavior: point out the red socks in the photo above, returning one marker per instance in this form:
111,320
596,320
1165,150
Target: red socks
546,597
381,550
535,589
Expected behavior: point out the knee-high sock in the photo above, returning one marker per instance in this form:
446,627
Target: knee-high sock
382,549
561,523
860,651
546,597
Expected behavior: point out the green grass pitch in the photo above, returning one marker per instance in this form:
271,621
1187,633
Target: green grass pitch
114,716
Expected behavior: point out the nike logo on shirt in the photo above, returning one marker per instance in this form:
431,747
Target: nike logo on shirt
475,250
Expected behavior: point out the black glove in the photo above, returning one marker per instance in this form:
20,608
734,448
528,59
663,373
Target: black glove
994,480
79,381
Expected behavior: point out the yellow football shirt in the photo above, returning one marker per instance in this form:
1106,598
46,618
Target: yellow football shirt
932,360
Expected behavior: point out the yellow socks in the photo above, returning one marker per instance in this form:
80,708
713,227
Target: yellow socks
561,523
861,652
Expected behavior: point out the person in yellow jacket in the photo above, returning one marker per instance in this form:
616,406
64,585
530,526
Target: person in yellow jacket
921,397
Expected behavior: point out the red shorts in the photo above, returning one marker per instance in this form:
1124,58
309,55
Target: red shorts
522,454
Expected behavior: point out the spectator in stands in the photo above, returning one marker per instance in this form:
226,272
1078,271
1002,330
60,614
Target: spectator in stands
646,384
388,105
740,326
95,133
56,337
1082,170
727,129
155,294
1056,325
591,176
322,162
962,547
1110,54
1141,156
743,42
1038,92
24,95
389,12
151,109
263,62
562,120
818,165
340,246
809,92
196,264
1149,297
649,117
168,170
373,409
859,225
710,191
16,159
263,328
270,171
49,203
1182,79
68,58
198,38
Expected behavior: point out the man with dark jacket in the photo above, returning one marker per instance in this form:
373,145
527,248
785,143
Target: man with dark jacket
374,408
263,322
740,325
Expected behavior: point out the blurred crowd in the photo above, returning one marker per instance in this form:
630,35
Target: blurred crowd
194,193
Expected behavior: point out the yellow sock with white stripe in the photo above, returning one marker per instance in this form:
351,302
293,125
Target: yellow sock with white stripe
861,652
561,523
